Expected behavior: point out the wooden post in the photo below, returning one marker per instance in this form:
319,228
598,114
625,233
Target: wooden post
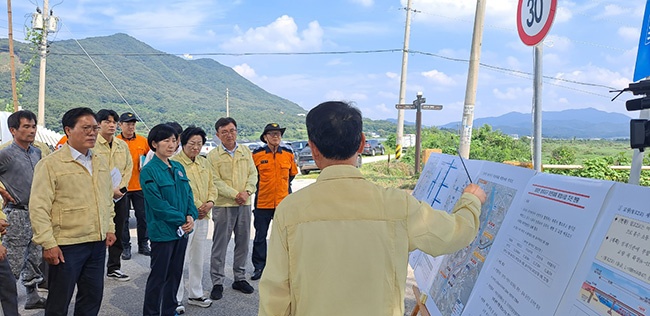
420,299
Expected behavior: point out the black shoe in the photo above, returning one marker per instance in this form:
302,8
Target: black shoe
256,275
217,292
243,286
126,254
40,304
144,250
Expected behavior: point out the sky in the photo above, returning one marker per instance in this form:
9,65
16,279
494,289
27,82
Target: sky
590,49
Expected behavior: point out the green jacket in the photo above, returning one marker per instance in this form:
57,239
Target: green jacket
168,199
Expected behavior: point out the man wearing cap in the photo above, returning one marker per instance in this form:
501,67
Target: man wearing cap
234,176
276,168
138,147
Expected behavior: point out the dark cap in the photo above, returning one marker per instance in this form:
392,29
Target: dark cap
272,127
128,117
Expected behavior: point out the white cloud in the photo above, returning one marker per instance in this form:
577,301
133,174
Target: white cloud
613,10
511,93
280,36
245,71
439,77
454,12
392,75
557,43
360,28
562,14
629,33
365,3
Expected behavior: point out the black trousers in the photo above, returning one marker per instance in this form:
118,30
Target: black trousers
167,260
115,251
83,268
8,292
137,199
261,222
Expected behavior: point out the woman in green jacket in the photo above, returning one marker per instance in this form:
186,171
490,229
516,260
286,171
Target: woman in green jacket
170,212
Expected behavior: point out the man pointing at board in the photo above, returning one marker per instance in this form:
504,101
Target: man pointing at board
340,246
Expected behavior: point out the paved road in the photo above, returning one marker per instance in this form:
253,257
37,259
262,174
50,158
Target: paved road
126,298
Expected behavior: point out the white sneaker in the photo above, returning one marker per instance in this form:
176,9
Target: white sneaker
200,301
180,309
118,276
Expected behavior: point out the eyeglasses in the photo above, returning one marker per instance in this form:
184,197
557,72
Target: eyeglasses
194,145
230,131
89,129
274,134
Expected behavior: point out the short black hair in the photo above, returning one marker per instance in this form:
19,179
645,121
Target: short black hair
13,121
160,132
335,127
223,122
192,131
104,114
176,126
71,117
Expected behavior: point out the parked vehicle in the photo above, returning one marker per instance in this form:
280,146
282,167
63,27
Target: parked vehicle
253,145
306,162
209,145
372,147
298,146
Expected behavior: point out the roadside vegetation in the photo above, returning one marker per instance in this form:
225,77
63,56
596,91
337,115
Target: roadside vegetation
595,156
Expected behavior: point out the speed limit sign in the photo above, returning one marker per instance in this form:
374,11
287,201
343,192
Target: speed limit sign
534,19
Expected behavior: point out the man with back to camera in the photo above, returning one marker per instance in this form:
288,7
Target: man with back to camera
340,246
17,163
116,152
71,210
235,177
276,168
138,147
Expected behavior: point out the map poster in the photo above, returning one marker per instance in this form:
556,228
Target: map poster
440,185
613,274
454,280
443,180
538,247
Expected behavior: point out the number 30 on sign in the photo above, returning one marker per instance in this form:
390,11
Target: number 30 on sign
534,19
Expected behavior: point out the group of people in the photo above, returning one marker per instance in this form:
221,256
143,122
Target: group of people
337,247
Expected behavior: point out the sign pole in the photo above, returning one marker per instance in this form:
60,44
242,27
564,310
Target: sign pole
534,20
418,105
537,125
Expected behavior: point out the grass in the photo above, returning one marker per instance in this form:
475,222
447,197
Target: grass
397,174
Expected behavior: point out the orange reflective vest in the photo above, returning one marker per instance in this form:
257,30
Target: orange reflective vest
274,174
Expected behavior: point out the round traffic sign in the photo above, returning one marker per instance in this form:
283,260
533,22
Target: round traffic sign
534,19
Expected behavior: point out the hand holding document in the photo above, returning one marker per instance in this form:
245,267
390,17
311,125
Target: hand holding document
116,178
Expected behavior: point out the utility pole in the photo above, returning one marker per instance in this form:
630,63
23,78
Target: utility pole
12,61
227,104
402,83
41,76
472,81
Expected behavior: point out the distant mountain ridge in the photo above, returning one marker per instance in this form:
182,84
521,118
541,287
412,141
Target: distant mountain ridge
579,123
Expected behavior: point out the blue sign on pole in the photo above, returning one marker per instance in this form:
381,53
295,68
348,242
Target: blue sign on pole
642,67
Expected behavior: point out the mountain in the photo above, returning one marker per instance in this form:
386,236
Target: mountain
406,123
579,123
160,87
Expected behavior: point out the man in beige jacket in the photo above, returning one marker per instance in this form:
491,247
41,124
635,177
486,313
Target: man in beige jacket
340,246
235,176
71,210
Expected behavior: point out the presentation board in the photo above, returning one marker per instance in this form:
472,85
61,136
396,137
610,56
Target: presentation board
543,242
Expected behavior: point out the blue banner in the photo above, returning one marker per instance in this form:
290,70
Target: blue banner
642,67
